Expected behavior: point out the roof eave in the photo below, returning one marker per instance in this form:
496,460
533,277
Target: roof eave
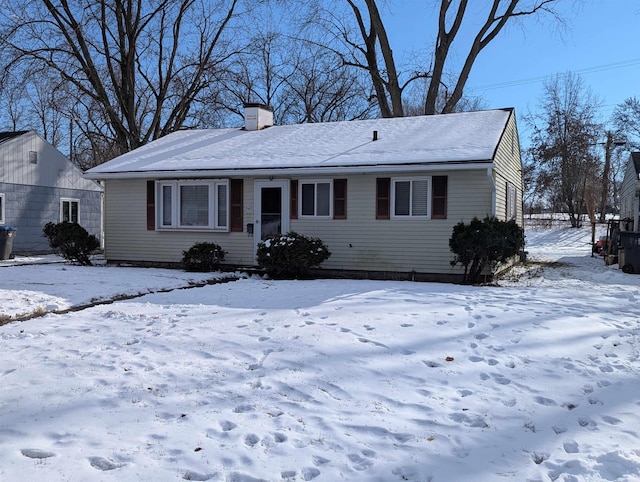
284,171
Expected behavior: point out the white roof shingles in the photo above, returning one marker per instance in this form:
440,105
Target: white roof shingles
460,137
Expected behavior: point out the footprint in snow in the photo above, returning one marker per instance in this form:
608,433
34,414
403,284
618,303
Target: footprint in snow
191,475
251,440
358,462
571,447
227,426
37,453
545,401
103,464
611,420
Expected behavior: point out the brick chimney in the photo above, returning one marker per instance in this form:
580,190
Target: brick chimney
257,116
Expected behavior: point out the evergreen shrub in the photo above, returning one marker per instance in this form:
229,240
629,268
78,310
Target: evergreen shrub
291,255
203,257
71,241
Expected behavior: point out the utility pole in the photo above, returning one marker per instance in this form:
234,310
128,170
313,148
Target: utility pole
609,145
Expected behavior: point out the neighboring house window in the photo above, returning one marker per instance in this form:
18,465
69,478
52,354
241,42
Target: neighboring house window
194,204
511,201
2,208
410,197
33,157
421,197
69,210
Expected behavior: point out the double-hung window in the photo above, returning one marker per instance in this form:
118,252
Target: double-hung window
193,204
411,197
69,210
316,198
2,218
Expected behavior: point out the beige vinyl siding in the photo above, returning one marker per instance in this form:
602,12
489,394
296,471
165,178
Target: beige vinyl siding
127,237
508,168
362,242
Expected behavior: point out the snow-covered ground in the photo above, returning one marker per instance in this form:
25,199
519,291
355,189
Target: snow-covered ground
532,380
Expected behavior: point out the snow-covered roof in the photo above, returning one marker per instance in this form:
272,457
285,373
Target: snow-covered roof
466,137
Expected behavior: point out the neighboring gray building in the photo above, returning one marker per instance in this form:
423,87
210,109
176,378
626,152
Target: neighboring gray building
630,194
39,184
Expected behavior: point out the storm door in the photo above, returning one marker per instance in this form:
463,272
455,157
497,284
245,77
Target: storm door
271,209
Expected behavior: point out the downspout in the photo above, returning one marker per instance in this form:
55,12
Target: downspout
493,190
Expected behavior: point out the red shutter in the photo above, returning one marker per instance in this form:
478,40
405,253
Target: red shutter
439,197
339,199
236,205
383,198
293,208
151,205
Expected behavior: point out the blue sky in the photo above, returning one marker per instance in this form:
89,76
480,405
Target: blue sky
600,43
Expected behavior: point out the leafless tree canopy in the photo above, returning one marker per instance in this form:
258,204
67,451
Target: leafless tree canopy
368,46
563,148
101,77
131,69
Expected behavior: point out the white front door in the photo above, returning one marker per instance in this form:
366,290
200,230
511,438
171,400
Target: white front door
271,208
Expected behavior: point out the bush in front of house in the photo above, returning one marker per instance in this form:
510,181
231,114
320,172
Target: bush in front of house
291,255
71,241
483,243
203,257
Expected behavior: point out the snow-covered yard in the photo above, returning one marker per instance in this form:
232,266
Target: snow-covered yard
535,379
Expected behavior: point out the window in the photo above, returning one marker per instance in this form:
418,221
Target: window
193,204
69,210
316,198
419,197
511,204
2,209
410,197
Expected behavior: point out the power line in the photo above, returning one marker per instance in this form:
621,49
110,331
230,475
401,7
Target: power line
587,70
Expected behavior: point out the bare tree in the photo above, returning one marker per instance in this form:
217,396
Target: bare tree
371,49
626,121
565,134
139,65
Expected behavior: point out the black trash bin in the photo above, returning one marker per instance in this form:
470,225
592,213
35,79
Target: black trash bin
6,241
629,256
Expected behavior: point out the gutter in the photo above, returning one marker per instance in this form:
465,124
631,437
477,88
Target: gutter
290,171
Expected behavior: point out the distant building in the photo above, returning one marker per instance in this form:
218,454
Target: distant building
38,184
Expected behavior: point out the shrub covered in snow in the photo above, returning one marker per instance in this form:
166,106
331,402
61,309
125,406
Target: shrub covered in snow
71,241
202,257
291,255
481,243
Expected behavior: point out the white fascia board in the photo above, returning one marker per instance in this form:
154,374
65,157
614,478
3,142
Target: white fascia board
296,171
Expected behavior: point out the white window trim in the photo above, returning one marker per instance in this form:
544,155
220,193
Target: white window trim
214,223
69,200
393,197
315,182
2,208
